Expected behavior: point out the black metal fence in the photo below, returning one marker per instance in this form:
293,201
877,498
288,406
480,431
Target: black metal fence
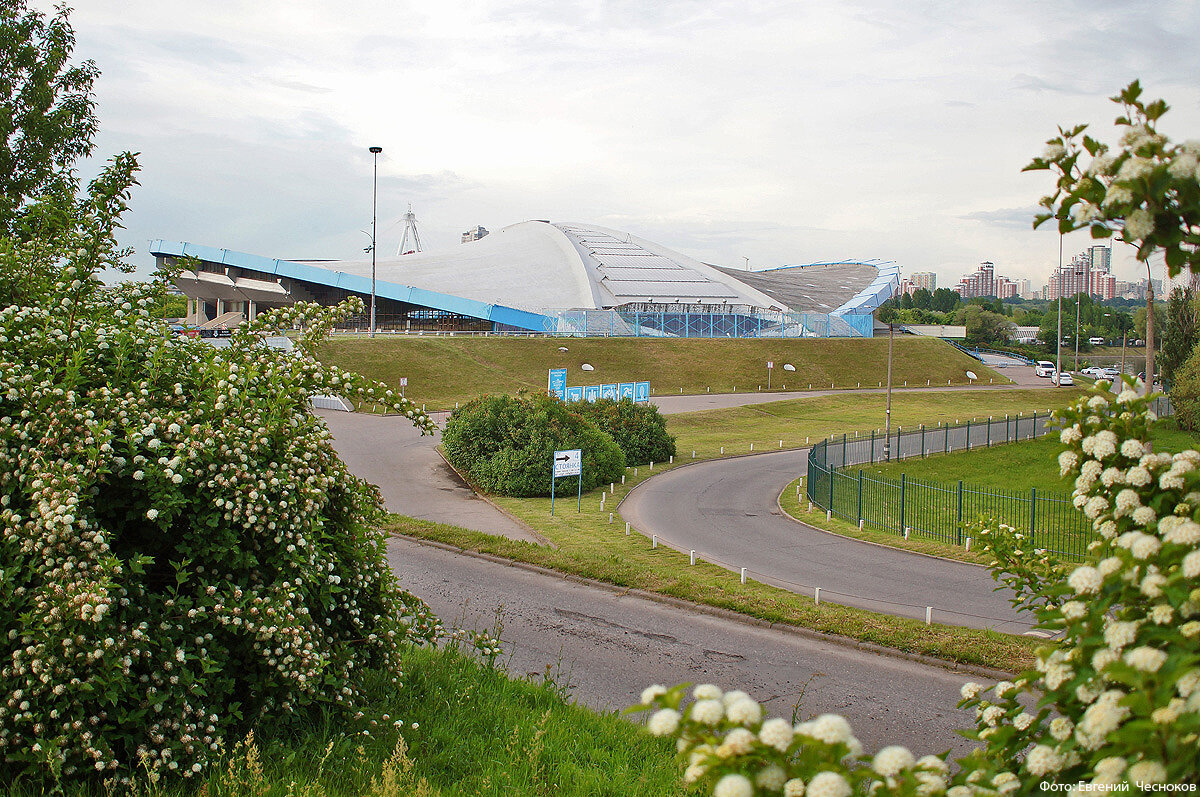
942,510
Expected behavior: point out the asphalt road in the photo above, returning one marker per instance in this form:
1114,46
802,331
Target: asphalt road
727,511
415,481
607,646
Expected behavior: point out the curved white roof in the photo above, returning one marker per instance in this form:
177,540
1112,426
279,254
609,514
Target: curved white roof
535,265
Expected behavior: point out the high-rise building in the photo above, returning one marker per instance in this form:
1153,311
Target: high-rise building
1088,272
925,279
1025,289
1101,258
981,283
1005,288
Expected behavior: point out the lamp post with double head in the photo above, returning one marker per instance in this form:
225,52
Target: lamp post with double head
374,204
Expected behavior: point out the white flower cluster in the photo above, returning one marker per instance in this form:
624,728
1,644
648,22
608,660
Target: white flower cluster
176,535
1103,703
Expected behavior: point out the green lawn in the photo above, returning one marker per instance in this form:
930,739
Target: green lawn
443,371
453,726
1017,466
800,420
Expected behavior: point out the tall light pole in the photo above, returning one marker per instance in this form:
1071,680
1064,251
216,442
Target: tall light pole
374,204
887,414
1058,340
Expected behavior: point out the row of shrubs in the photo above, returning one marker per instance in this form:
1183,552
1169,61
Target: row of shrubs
506,444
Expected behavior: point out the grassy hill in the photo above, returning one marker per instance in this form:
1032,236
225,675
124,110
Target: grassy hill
445,370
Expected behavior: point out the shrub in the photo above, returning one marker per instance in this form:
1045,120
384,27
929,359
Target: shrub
182,551
1185,393
1117,700
505,444
639,429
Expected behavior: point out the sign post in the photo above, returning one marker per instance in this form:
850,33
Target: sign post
403,384
770,369
568,463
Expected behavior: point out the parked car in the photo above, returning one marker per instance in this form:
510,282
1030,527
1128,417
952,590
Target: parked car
1093,371
1111,374
1044,368
1096,341
1063,380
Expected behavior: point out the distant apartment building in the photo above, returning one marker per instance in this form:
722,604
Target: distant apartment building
1006,288
924,279
981,283
474,235
1088,272
1025,289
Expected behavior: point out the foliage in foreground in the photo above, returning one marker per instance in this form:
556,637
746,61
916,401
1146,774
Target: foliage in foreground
639,429
1185,393
506,444
1118,701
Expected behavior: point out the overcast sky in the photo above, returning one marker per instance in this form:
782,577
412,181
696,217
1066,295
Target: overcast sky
783,132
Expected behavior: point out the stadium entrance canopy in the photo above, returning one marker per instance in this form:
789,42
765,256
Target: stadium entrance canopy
549,278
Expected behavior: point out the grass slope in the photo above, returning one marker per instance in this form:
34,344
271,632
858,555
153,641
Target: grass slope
444,370
453,727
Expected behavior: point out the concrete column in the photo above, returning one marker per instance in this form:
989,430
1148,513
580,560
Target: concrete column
251,310
220,307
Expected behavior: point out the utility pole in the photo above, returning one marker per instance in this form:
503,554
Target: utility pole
374,200
887,414
1058,340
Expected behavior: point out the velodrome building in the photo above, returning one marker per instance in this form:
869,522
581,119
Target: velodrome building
552,278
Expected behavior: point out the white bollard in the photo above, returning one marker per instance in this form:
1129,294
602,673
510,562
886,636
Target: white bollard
651,464
612,487
752,446
817,595
968,543
797,492
907,529
693,453
743,575
810,506
781,444
654,541
928,615
692,558
829,514
627,528
610,514
622,478
722,449
671,460
635,471
860,524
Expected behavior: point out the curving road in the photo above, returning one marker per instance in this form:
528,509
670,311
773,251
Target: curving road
607,645
727,511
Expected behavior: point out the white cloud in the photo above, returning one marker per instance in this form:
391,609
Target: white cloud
778,131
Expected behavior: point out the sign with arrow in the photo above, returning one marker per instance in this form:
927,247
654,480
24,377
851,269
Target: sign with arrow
568,463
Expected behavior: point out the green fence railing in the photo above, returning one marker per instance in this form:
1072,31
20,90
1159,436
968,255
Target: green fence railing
942,510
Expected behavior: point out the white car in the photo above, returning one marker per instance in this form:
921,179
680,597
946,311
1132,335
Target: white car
1111,374
1062,380
1044,369
1093,371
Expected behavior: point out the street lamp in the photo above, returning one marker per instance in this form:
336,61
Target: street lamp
887,415
374,203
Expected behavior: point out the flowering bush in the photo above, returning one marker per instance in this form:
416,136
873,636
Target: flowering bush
181,550
1117,700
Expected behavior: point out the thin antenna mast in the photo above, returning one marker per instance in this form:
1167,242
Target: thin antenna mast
410,231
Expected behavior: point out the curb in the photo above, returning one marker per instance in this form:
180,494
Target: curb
725,614
529,529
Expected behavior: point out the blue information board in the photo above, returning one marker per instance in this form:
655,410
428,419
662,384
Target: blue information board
574,394
609,392
641,391
626,390
558,382
591,393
